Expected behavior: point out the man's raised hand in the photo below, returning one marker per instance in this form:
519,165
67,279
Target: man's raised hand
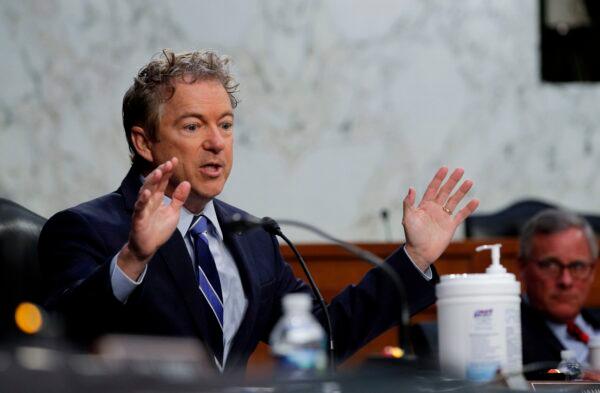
153,222
429,227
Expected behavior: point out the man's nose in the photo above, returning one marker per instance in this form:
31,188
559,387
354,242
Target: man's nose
565,278
214,140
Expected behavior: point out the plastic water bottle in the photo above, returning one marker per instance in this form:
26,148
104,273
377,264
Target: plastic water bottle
569,366
298,340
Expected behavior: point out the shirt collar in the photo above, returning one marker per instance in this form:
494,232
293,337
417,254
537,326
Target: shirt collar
211,214
186,217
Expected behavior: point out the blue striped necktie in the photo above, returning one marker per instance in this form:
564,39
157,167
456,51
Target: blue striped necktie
208,276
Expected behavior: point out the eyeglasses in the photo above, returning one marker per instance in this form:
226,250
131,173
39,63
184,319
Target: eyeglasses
554,268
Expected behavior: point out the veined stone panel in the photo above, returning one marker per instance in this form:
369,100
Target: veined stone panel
344,104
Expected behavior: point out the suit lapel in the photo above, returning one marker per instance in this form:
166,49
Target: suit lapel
240,250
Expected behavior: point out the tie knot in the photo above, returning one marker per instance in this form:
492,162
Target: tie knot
200,225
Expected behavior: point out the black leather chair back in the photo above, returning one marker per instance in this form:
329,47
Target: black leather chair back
20,276
504,223
509,221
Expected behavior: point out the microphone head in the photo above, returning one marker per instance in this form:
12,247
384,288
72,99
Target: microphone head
270,225
241,223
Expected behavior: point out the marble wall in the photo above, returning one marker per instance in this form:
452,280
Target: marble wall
344,103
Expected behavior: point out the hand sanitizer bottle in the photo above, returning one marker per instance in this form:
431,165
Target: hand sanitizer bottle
479,322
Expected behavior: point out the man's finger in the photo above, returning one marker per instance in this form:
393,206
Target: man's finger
459,195
466,211
447,188
139,210
152,180
180,194
167,171
168,168
434,185
408,202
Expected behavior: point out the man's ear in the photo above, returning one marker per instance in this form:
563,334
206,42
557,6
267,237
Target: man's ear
142,143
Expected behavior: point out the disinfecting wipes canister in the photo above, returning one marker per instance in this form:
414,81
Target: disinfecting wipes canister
479,322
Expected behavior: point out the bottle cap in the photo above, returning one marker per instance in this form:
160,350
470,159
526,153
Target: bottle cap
297,302
567,354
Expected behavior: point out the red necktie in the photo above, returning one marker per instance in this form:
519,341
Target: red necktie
576,332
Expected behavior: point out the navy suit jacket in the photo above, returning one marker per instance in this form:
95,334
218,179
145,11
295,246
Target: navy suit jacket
76,247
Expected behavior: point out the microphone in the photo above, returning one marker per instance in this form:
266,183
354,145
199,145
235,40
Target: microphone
387,226
244,222
241,223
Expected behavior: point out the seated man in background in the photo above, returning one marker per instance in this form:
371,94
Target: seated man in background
557,258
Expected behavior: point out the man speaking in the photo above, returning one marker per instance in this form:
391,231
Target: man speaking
153,256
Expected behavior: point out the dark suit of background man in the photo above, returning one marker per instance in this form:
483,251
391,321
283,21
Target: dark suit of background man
126,262
557,256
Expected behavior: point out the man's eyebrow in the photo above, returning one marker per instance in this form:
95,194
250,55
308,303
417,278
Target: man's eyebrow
225,114
201,116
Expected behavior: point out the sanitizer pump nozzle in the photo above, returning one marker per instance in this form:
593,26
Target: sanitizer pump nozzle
495,267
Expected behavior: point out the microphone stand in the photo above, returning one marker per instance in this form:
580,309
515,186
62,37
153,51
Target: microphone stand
240,222
374,260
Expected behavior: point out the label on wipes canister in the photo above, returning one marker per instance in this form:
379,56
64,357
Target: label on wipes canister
514,356
494,337
485,349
